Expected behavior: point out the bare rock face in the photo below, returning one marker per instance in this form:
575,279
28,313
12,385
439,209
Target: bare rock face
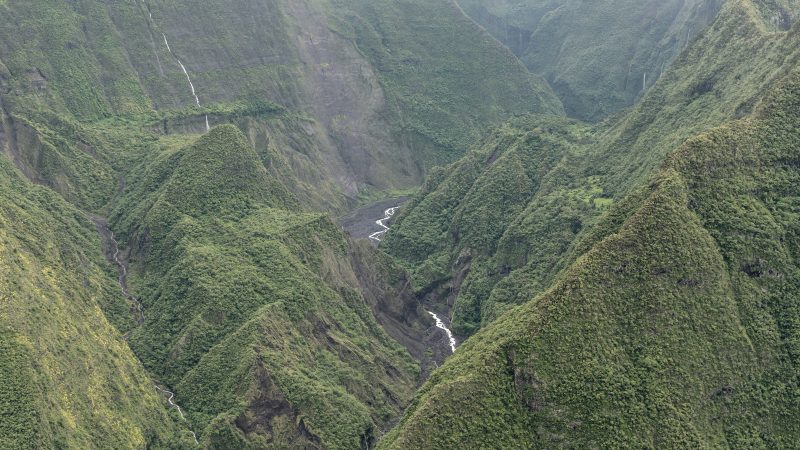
287,53
347,99
37,80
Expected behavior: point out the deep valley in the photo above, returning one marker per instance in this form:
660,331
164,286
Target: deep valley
399,224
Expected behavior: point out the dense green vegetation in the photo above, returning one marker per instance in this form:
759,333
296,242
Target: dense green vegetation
260,316
484,243
368,103
254,311
678,327
628,283
630,294
69,379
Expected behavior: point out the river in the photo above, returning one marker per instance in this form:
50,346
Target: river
361,223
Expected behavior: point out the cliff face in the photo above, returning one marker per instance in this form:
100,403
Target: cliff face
367,104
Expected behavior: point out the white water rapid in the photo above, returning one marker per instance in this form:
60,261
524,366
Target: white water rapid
441,325
382,222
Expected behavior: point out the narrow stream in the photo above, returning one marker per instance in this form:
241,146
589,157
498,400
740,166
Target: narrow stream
175,405
105,231
123,277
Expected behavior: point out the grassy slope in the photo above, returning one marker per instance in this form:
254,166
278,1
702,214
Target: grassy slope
69,379
677,328
253,309
505,255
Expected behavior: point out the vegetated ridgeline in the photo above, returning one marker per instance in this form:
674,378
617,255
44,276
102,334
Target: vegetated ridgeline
388,214
606,353
290,309
483,237
122,279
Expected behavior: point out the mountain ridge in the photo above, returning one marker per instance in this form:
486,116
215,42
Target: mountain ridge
495,257
613,354
171,275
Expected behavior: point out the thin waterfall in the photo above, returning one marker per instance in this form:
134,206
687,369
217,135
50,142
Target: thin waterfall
180,63
188,78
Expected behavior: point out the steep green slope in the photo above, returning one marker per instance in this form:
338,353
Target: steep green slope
447,79
264,320
366,104
601,56
259,315
679,327
481,244
68,378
